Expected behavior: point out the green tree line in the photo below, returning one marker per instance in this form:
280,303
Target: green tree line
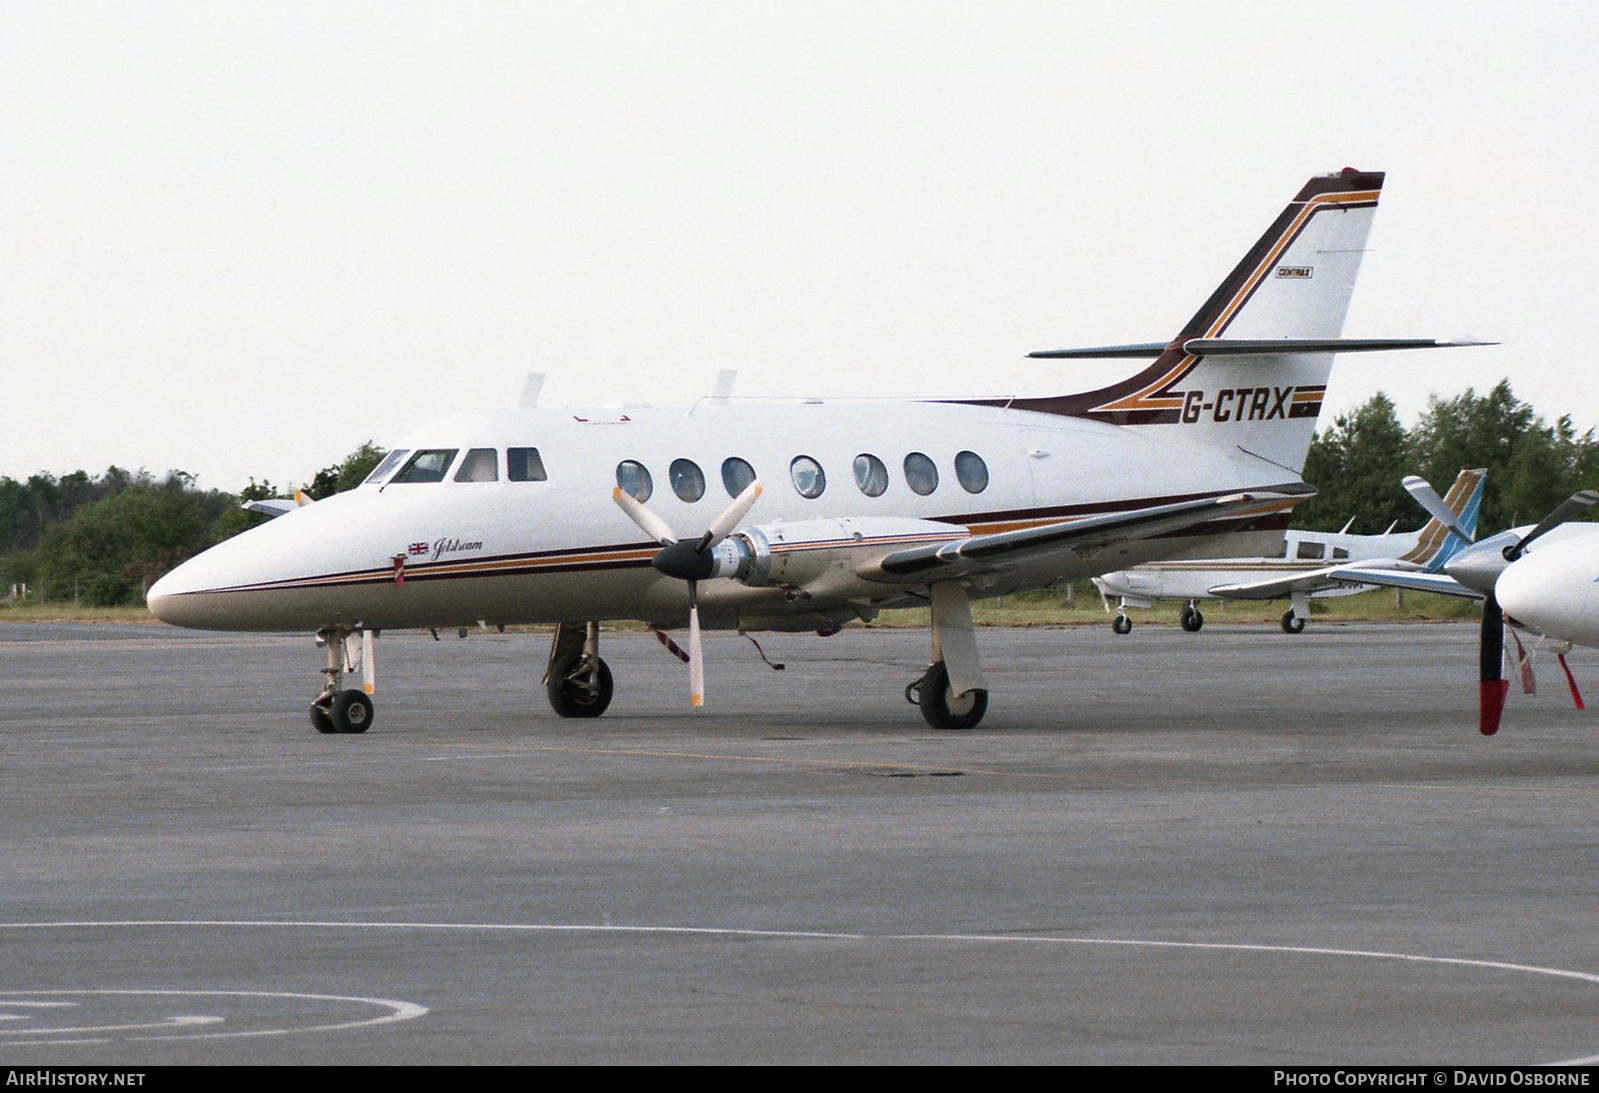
103,540
1357,463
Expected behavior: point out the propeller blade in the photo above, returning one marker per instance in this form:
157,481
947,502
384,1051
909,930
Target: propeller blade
731,516
696,652
1571,507
1493,687
651,524
1428,498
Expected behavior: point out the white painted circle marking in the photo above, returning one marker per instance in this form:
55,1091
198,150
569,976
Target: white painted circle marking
403,1011
179,1026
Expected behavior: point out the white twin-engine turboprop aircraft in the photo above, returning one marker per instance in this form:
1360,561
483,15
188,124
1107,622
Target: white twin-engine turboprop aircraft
804,515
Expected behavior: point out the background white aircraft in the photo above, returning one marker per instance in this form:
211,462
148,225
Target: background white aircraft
1306,566
535,516
1543,576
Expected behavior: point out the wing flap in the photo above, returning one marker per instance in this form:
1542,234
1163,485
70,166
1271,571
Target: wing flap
1002,549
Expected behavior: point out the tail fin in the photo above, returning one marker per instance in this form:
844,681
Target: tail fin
1434,543
1249,369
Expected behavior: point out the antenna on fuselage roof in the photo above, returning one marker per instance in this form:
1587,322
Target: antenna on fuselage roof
531,386
724,384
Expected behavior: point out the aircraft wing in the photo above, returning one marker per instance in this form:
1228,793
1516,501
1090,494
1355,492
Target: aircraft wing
1400,578
1309,580
1001,550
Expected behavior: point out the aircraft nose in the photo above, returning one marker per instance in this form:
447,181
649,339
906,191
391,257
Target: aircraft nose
175,598
1553,591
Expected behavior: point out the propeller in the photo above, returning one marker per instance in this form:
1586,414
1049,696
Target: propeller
1427,497
1571,507
1480,568
689,560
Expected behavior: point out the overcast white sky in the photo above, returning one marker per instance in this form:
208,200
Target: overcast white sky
240,238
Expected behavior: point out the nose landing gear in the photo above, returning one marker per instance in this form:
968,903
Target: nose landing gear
340,709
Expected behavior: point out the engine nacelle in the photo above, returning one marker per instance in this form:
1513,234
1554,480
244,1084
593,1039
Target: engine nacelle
800,553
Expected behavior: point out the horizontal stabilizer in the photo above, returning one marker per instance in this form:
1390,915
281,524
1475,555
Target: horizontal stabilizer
1255,347
274,507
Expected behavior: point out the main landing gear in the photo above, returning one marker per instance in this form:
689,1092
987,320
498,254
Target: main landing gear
951,693
1191,620
576,679
1298,611
340,709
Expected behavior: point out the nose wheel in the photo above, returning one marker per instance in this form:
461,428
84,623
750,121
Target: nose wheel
340,709
348,710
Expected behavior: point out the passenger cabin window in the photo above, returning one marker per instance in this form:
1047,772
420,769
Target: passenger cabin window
972,472
688,481
524,465
480,465
633,478
427,465
809,479
390,461
921,474
1339,553
1311,550
871,475
736,475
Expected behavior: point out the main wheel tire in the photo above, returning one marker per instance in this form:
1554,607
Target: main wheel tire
321,721
577,698
1292,623
1192,620
943,710
351,711
1122,624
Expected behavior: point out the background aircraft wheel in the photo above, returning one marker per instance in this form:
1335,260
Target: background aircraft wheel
1292,623
945,711
320,721
351,711
580,697
1122,624
1192,620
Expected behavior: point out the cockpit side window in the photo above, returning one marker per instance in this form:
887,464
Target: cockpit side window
480,465
524,465
381,471
428,465
1311,550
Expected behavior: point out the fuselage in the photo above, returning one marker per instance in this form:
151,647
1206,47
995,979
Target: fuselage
842,480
